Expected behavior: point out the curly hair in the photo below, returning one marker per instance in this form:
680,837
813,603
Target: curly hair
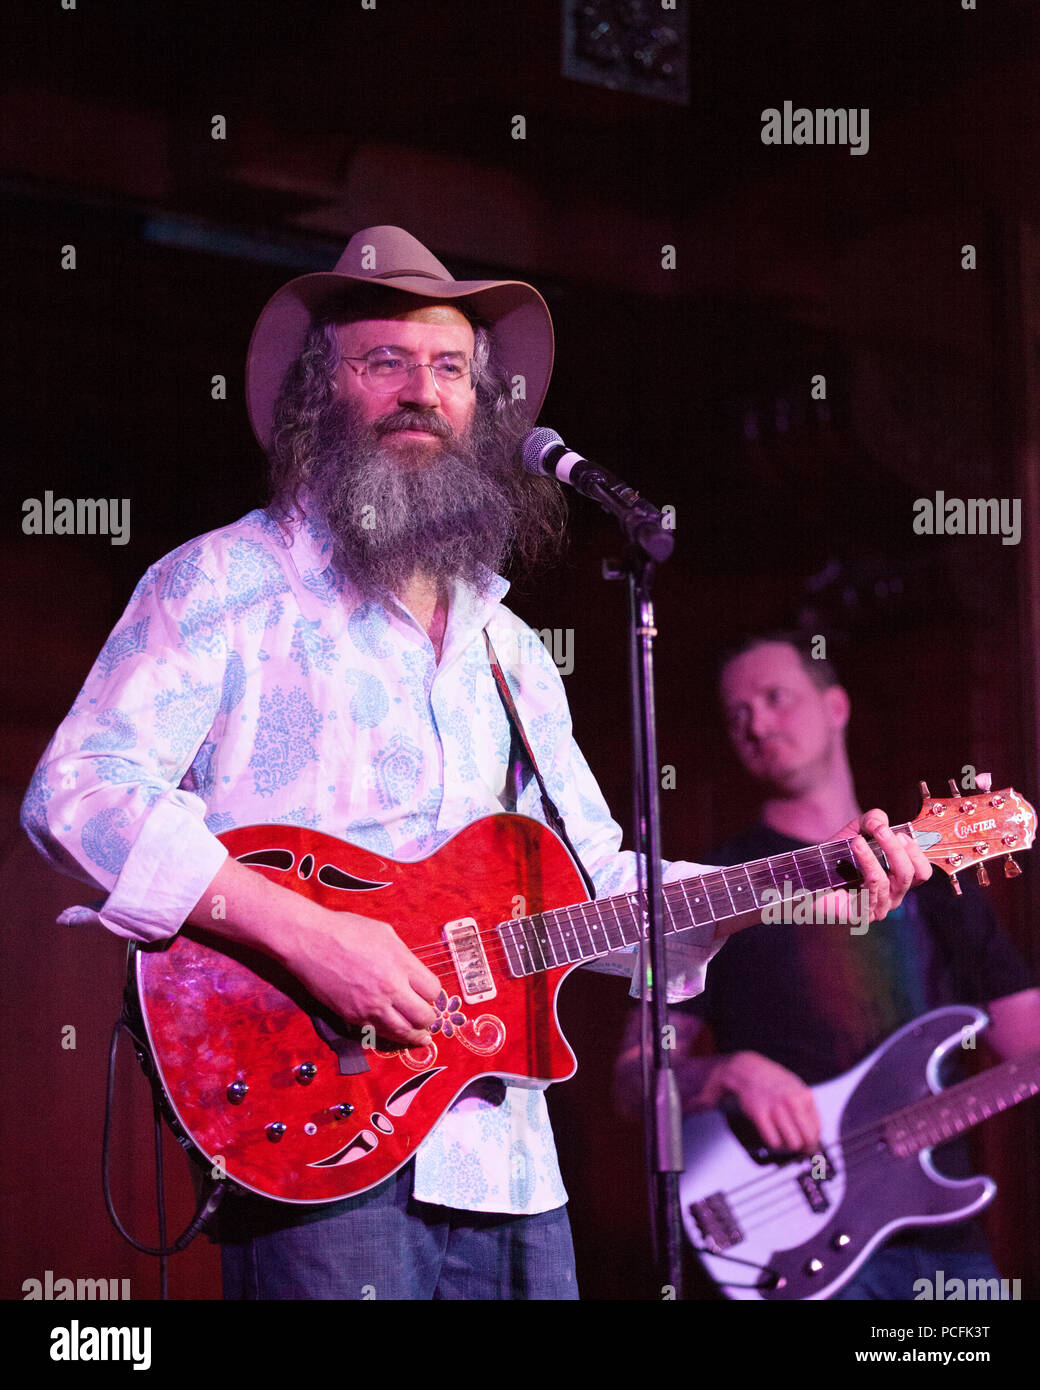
539,510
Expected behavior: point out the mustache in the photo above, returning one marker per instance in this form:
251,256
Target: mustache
404,419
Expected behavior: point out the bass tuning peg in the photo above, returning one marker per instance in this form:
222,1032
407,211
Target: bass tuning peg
982,875
1011,869
956,886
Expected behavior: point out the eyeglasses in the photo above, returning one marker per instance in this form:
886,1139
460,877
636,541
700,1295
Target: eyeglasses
385,371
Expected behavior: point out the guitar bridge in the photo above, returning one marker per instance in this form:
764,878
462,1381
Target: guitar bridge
716,1222
471,965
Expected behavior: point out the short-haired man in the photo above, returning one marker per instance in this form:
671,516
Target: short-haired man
792,1006
323,663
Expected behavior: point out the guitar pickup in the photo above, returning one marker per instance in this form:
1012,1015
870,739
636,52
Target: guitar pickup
471,964
812,1188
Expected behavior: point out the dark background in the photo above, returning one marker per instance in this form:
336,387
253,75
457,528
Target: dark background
693,382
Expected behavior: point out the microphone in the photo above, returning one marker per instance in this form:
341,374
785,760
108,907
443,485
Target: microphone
543,451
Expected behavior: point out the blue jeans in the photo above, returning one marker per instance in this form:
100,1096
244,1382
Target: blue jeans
891,1272
386,1245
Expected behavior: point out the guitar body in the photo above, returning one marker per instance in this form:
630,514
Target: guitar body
811,1233
215,1015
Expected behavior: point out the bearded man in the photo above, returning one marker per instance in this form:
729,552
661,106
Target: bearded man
324,663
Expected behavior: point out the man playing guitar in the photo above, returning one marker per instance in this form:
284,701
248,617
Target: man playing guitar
790,1006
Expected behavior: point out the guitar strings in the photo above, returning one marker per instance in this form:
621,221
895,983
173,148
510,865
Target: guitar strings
717,891
765,1198
557,922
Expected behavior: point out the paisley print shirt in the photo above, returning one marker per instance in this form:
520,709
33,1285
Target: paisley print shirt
246,684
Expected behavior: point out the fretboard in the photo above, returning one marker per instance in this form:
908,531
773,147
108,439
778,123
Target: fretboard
938,1118
570,935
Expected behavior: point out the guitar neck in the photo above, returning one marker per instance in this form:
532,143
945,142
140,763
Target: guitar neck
959,1108
572,935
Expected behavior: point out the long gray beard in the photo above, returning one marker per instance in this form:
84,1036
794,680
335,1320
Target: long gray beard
443,512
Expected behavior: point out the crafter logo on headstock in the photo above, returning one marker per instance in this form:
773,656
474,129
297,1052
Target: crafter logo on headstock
964,829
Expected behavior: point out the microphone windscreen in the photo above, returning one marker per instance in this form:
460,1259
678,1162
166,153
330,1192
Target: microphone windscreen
534,446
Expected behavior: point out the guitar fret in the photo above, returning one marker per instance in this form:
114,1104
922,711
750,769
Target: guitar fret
741,893
607,934
814,870
590,921
532,945
598,936
588,926
723,875
543,938
700,907
569,933
719,901
787,867
554,927
627,916
518,955
679,911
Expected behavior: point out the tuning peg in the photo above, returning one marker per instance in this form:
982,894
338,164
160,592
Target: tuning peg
954,789
1011,869
956,886
982,875
924,790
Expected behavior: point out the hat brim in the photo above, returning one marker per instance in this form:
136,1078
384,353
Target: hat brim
515,313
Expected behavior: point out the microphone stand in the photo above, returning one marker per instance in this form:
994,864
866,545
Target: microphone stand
663,1110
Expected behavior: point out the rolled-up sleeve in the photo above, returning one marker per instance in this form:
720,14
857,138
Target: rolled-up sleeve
111,802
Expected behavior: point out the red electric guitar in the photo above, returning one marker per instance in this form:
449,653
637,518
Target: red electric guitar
290,1102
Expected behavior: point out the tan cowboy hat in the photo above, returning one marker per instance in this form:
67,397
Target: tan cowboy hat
516,316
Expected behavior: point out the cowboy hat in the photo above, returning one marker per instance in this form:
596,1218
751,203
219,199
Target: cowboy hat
516,315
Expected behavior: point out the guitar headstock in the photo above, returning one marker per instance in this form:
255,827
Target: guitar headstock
964,830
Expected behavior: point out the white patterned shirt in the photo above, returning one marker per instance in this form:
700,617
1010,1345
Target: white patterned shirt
245,684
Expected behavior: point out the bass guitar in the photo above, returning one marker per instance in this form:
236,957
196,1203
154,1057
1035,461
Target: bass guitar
782,1229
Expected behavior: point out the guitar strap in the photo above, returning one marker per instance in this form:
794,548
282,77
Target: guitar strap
552,815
